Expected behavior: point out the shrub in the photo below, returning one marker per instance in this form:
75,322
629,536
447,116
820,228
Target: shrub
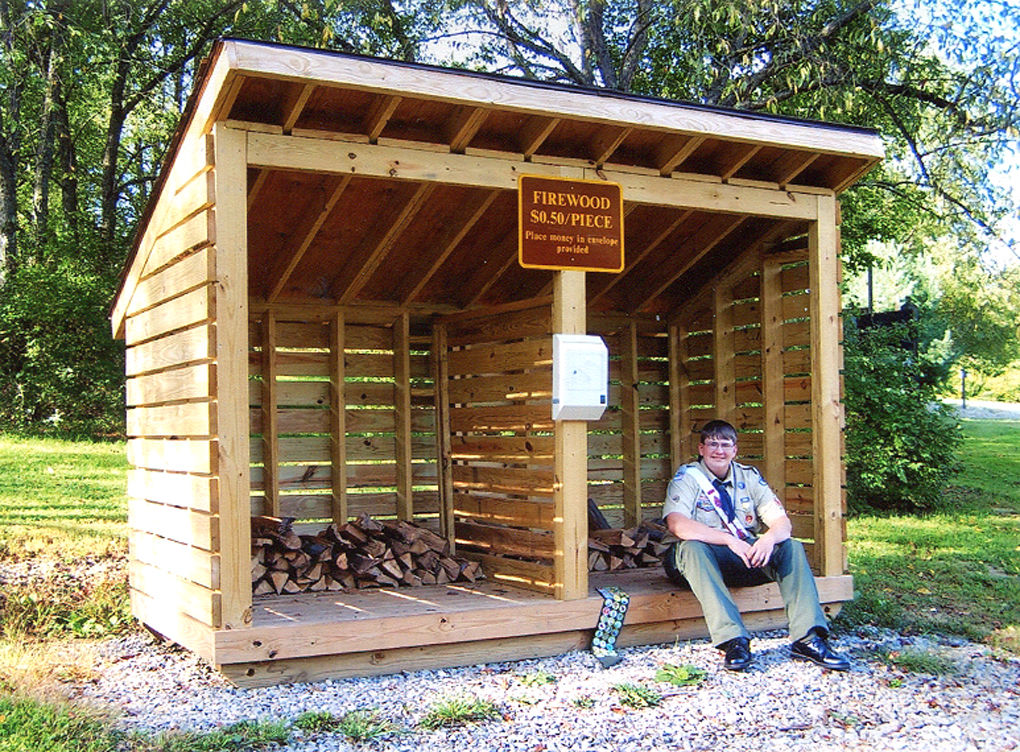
900,440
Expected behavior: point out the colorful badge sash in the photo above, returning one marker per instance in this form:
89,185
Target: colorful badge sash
713,495
614,610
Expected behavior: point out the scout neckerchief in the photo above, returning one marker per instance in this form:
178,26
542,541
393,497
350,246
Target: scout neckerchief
713,495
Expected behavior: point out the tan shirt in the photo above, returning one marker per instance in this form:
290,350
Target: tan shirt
755,503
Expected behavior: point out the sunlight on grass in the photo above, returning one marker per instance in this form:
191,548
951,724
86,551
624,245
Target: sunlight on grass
955,571
62,498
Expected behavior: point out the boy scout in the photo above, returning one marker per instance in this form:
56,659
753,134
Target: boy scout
734,531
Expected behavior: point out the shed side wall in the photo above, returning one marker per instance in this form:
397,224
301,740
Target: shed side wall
170,369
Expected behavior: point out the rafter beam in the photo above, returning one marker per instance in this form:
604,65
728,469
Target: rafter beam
451,243
307,236
379,116
609,141
674,151
734,167
534,134
375,258
703,250
292,110
464,126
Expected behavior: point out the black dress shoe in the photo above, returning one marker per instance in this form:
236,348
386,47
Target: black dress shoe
814,648
738,654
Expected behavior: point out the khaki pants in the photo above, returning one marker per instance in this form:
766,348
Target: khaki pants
710,570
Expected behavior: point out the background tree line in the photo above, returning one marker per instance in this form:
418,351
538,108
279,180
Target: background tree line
90,91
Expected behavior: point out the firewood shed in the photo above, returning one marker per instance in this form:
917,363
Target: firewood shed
325,317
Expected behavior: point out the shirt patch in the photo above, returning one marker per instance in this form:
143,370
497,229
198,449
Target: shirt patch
745,499
680,473
761,481
741,485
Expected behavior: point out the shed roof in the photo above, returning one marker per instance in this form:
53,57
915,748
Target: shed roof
437,236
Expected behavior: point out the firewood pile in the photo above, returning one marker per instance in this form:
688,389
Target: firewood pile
611,550
363,553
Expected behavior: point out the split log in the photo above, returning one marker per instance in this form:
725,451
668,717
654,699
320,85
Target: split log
642,546
363,553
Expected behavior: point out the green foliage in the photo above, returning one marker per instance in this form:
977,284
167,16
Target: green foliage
60,370
537,678
680,676
244,735
954,571
458,711
918,661
636,696
28,725
900,441
584,702
365,725
66,607
316,721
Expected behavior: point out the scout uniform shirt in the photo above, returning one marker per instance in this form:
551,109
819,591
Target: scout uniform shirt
754,502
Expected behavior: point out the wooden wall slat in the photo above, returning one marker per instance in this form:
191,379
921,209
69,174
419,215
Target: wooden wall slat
167,352
182,525
192,308
183,420
175,455
186,562
190,598
188,383
177,489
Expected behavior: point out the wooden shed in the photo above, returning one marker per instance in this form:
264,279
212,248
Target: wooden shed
325,316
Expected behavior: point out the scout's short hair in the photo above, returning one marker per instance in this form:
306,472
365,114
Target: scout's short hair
718,429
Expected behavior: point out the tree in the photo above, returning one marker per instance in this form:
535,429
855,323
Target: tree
935,80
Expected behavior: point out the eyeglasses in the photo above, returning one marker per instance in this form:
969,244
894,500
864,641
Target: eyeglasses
719,444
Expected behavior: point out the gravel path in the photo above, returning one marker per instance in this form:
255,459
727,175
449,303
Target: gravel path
778,705
986,410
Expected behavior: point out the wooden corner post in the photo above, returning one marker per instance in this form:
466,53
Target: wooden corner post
826,410
570,493
231,317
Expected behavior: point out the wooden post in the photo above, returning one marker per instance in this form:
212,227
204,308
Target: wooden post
402,408
570,561
681,426
444,471
338,418
270,432
773,374
826,411
231,317
630,405
722,353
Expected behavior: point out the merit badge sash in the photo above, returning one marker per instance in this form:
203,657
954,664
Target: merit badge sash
713,496
614,609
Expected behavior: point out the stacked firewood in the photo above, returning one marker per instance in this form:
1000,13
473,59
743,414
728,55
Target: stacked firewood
363,553
611,550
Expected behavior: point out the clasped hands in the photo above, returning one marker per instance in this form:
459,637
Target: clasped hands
753,555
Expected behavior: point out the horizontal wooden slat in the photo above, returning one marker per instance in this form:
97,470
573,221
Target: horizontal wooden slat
699,345
319,506
188,383
600,469
175,455
799,471
188,419
524,481
320,476
196,601
311,420
797,361
524,574
796,333
168,620
177,489
748,312
511,449
536,385
516,356
524,513
747,340
795,278
527,323
501,418
190,271
195,231
494,539
191,308
186,562
173,350
182,525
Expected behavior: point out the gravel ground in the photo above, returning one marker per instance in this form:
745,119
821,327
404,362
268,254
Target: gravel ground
986,410
778,705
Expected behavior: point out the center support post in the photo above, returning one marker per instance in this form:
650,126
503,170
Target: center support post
570,495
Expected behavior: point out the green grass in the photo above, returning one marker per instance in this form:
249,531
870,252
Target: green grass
955,572
920,662
457,711
31,726
61,498
636,696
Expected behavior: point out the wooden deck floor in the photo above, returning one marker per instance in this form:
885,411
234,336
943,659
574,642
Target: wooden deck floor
318,635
